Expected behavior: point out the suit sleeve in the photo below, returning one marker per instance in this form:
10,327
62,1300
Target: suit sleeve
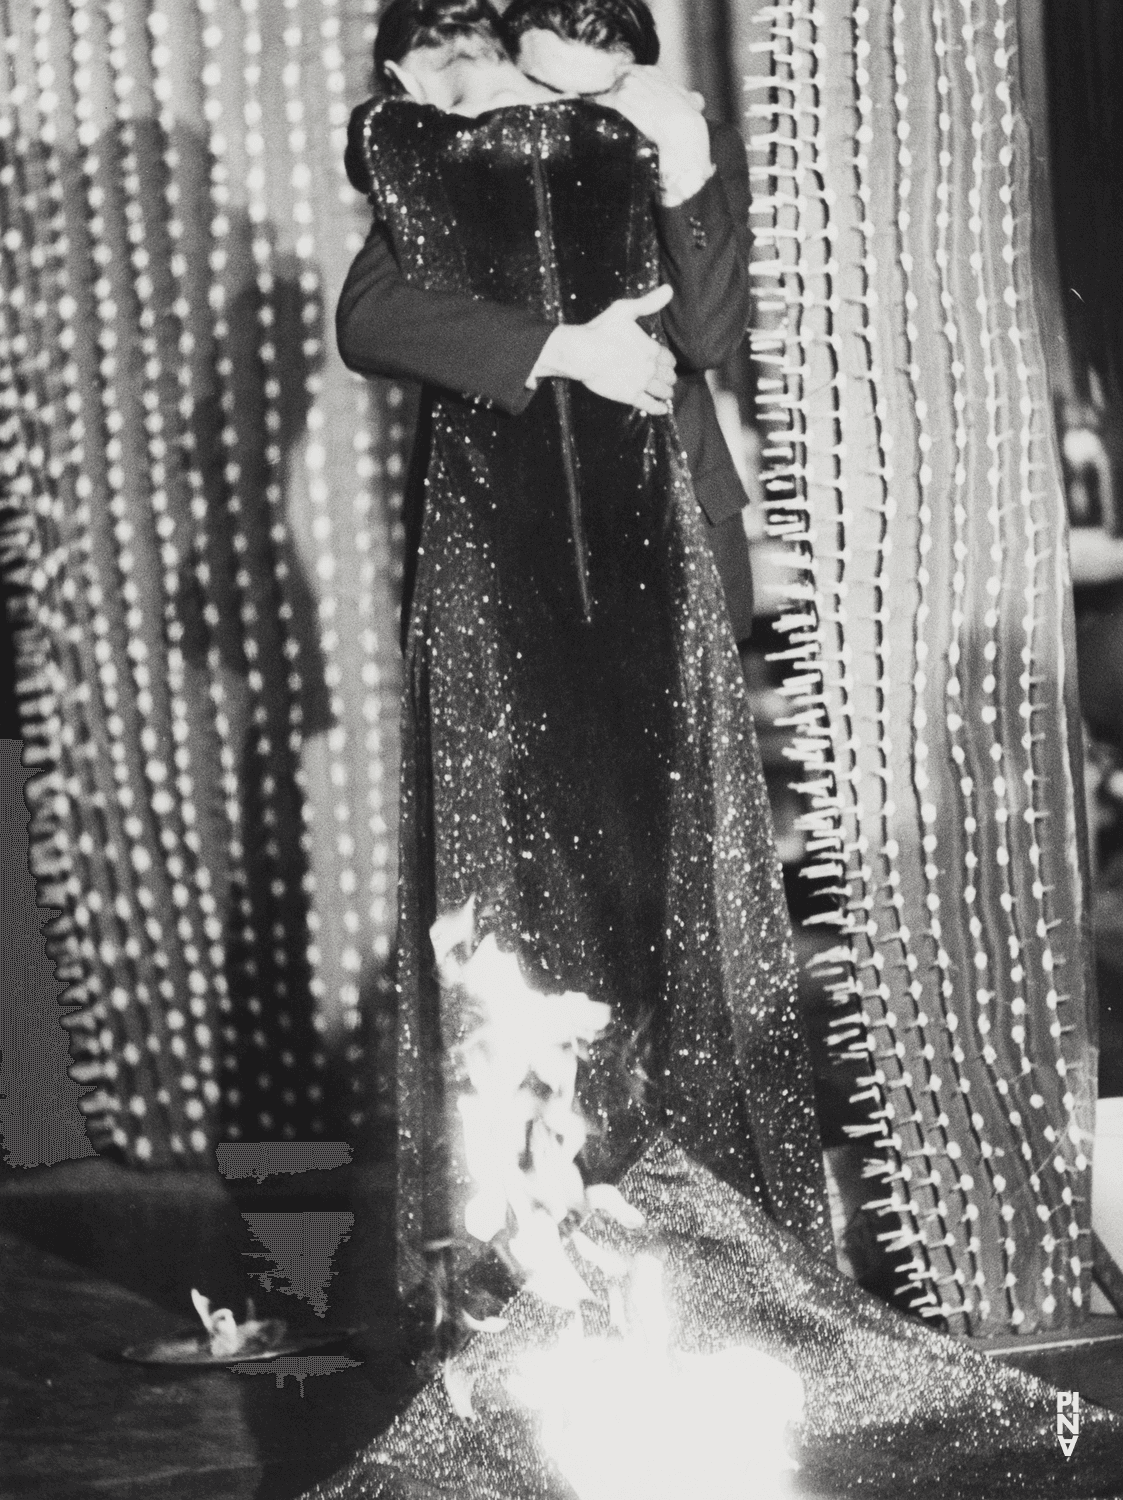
386,326
705,251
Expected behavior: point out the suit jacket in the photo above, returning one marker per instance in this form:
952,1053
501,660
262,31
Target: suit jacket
385,326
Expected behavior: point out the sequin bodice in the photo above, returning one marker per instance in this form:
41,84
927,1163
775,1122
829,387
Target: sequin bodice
544,205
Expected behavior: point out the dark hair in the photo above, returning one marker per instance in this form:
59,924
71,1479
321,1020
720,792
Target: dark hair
408,24
611,25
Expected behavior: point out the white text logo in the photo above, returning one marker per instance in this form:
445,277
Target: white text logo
1068,1420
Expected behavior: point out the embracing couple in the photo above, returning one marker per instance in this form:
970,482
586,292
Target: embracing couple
578,761
559,254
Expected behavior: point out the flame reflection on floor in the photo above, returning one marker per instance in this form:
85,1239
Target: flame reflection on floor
626,1418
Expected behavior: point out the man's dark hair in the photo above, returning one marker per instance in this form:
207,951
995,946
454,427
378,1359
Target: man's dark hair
611,25
408,24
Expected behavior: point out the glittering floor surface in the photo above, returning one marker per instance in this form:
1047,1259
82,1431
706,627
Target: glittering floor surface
76,1423
892,1409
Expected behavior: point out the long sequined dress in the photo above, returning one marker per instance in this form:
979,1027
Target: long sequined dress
577,751
597,783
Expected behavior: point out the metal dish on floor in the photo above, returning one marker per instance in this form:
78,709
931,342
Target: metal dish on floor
271,1342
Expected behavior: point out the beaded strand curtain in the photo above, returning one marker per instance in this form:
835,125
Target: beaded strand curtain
200,524
199,511
913,472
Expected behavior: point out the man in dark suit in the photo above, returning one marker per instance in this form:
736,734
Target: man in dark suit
606,49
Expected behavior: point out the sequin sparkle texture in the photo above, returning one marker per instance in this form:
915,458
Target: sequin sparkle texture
585,768
892,1410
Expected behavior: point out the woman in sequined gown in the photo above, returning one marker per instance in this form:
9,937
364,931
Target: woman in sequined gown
576,761
577,754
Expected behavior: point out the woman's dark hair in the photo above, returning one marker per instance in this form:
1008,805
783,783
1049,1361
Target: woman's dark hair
611,25
408,24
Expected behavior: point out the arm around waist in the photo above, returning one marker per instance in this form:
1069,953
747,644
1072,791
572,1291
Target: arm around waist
387,326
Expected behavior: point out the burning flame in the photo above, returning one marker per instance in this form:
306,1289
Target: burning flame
624,1417
227,1335
521,1126
627,1418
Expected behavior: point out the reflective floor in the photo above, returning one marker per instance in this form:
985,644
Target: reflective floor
93,1259
77,1420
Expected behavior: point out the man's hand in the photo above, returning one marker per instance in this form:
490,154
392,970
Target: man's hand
612,355
671,117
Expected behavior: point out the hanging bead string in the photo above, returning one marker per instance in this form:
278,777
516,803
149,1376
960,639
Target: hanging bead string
779,272
937,1132
181,315
127,398
973,1122
87,892
1017,1316
33,550
326,565
831,566
122,883
974,63
262,733
795,58
778,400
261,743
33,542
1033,810
1065,1160
953,712
783,231
820,743
833,770
827,564
267,310
204,968
993,584
331,60
920,748
380,441
84,892
368,466
279,536
393,463
391,428
896,1092
371,671
33,525
36,543
73,532
315,456
335,82
169,1020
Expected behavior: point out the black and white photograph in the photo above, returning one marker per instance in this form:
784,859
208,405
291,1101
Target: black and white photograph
561,749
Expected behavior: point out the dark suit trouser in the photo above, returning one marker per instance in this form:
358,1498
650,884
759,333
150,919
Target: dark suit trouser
730,548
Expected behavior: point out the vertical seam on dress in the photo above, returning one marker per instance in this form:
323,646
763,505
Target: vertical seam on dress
546,258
